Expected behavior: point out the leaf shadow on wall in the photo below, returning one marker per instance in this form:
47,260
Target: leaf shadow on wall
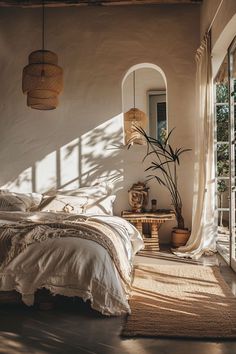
93,157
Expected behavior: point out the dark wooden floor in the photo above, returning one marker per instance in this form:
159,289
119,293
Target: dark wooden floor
72,327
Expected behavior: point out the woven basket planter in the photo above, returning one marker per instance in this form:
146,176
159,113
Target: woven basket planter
42,80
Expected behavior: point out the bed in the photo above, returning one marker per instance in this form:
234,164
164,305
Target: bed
72,246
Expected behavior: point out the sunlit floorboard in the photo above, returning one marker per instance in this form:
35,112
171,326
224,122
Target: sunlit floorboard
73,328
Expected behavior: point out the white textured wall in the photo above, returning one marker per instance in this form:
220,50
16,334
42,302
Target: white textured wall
75,144
223,28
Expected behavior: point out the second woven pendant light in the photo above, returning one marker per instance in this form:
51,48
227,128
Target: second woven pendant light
133,119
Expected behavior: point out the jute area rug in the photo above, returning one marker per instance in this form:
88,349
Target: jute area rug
180,301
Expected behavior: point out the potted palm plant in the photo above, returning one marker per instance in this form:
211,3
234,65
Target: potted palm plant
164,167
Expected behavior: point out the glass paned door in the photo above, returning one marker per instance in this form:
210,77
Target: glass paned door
222,123
225,137
232,89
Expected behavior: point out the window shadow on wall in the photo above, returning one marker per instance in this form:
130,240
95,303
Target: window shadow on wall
90,158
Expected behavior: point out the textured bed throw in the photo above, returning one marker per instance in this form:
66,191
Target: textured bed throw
181,301
15,238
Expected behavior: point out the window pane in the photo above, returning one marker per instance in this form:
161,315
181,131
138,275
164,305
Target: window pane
222,94
233,245
223,235
223,222
222,160
233,72
234,92
223,226
222,122
223,193
161,121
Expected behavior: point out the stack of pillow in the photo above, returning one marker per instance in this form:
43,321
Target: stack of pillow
93,200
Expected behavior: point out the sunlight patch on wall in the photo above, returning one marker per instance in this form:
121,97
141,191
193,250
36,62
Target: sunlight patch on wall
69,168
46,173
101,154
94,157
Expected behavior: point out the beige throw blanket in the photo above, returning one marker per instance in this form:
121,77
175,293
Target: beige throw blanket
15,238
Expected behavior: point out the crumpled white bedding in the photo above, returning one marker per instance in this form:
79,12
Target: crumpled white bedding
72,266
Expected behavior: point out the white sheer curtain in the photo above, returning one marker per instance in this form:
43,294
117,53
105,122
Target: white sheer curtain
203,235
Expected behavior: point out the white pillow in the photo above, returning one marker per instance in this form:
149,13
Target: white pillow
89,200
100,206
65,203
10,201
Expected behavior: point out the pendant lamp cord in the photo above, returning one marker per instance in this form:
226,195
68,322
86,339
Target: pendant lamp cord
43,23
43,41
134,86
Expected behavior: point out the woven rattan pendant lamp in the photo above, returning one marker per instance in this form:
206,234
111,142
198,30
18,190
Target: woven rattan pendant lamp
133,119
42,77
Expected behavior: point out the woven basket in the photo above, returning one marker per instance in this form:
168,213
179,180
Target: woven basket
43,104
42,80
43,56
33,79
135,114
42,94
132,119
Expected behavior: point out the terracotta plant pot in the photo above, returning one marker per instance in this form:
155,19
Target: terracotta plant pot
179,237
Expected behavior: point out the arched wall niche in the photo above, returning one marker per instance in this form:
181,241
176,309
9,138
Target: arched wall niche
144,66
149,91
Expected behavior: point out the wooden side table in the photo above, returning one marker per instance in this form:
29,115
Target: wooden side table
155,220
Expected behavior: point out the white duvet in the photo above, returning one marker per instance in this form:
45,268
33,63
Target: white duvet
72,266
